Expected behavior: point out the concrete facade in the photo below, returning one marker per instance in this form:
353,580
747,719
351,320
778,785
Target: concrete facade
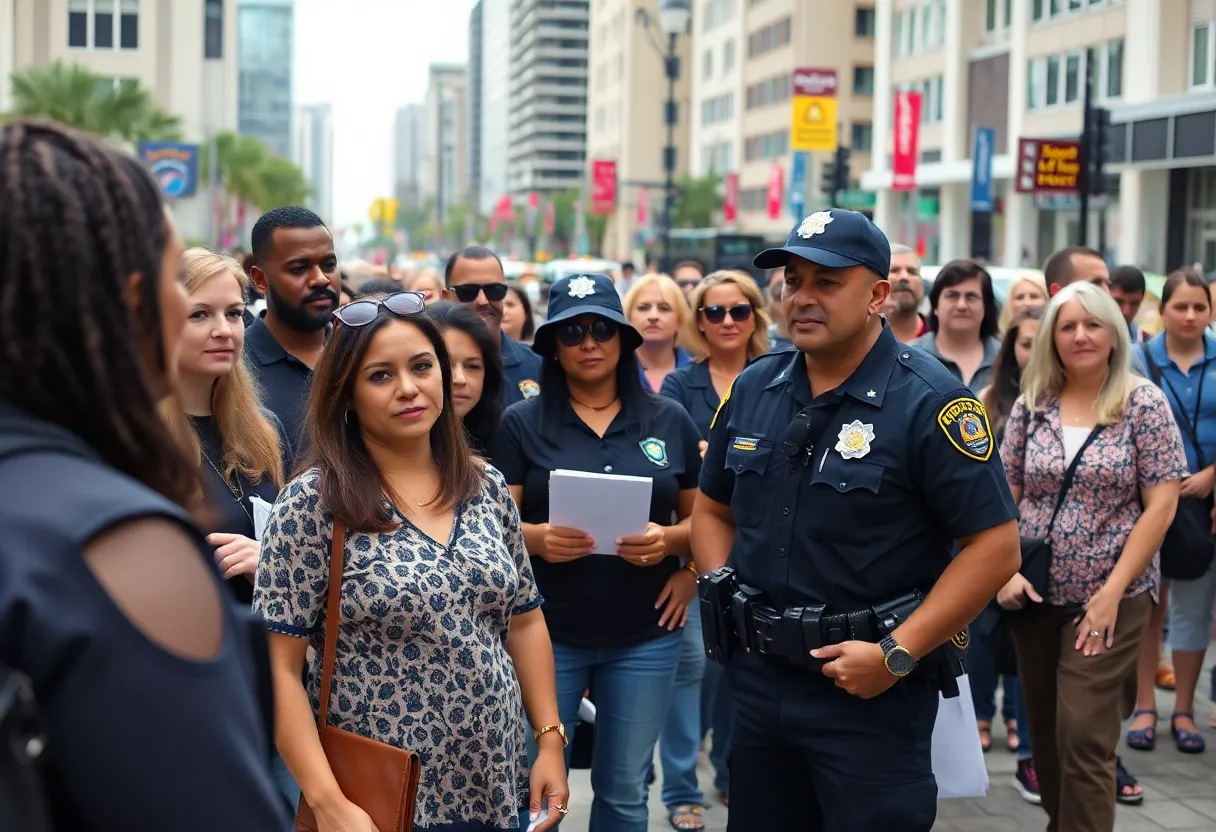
313,153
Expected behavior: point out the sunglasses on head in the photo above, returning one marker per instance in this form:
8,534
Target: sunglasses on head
363,312
571,334
468,292
717,314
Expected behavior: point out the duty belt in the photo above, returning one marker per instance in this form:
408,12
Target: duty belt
791,634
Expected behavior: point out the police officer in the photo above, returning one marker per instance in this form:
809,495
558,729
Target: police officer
838,477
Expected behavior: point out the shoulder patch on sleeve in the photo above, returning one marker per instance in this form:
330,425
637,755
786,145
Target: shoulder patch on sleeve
713,422
965,423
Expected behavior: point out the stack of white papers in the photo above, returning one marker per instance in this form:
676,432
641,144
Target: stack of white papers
605,506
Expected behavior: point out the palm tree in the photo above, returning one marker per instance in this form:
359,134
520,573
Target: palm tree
281,183
72,95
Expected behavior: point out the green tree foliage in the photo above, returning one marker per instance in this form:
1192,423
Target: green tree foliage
248,172
697,201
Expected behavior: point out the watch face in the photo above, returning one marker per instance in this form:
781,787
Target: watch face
900,662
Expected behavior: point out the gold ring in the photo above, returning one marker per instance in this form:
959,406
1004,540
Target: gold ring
562,810
1094,634
645,560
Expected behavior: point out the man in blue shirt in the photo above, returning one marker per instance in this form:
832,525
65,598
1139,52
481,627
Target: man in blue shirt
474,277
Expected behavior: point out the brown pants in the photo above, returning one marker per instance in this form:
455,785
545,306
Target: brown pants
1076,706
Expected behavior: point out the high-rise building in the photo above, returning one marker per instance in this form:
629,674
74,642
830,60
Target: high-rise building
409,154
313,153
185,56
476,79
717,87
547,129
266,33
495,96
445,172
626,98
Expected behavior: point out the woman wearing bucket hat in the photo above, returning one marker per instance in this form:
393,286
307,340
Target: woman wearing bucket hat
614,607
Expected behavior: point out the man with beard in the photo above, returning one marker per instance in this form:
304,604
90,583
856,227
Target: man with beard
296,269
902,307
474,277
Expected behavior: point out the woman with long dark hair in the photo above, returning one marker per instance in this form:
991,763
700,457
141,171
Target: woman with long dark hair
110,601
445,646
477,374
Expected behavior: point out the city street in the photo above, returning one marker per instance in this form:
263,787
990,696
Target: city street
1180,790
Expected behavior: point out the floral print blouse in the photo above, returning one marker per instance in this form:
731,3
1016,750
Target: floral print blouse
1141,449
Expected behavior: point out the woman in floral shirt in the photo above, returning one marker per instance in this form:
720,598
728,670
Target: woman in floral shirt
1078,645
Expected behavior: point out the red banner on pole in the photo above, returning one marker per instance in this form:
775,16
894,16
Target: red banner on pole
550,218
643,207
776,190
907,136
730,199
603,186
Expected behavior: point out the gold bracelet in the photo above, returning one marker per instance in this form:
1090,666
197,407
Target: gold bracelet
692,567
559,728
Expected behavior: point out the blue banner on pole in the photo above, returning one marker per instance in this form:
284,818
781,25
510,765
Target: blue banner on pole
174,166
798,176
981,172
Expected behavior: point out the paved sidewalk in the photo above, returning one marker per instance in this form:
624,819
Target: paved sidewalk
1180,790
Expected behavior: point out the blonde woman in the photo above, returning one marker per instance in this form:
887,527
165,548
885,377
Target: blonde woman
237,444
1029,291
656,308
1078,637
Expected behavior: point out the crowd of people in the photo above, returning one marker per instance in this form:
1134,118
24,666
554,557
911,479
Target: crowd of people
183,435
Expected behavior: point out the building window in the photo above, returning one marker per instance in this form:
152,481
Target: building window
1072,77
1053,81
103,24
78,23
1201,51
1114,69
862,137
863,23
766,146
728,56
1036,11
863,80
1075,5
129,24
990,17
769,38
1056,7
213,29
707,64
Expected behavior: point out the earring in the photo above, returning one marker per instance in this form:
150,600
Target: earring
346,416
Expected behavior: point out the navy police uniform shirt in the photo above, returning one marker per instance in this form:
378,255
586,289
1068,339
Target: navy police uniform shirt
600,601
906,465
522,369
693,388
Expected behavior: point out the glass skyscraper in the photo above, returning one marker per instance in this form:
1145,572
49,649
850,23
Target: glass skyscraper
265,31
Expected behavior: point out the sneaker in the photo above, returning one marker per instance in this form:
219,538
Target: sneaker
1026,781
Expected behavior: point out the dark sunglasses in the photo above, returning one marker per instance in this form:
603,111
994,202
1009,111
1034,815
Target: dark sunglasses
717,314
468,292
571,334
688,284
363,312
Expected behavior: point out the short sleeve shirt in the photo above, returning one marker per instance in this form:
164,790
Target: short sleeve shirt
693,388
900,446
1191,394
522,368
1142,448
285,381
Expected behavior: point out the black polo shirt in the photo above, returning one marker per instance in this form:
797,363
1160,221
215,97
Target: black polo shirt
522,368
906,466
285,381
600,601
693,388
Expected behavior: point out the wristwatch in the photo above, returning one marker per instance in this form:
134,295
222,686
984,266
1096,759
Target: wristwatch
898,660
559,728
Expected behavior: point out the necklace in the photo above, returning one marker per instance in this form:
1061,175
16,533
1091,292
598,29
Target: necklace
238,492
592,407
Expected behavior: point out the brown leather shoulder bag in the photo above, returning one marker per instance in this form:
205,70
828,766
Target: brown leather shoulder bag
379,778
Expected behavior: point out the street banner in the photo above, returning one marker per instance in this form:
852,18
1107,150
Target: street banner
776,191
173,165
907,136
813,123
603,186
798,176
643,219
730,199
981,169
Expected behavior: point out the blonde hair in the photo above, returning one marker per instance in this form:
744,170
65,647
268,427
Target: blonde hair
1044,373
1007,313
251,444
758,343
671,293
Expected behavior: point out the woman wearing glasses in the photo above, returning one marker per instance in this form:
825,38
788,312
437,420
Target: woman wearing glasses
731,328
610,604
445,644
963,320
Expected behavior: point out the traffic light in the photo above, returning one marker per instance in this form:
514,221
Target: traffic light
835,176
1099,150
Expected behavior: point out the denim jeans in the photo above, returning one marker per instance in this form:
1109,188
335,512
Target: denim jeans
1025,747
716,717
981,672
632,688
680,742
285,782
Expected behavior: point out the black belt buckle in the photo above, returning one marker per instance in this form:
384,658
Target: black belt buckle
811,624
742,601
764,631
835,629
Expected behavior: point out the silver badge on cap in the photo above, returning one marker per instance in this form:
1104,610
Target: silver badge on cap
816,223
582,286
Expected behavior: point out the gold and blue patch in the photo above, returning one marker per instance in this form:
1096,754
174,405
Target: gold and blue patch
655,450
529,388
965,423
744,443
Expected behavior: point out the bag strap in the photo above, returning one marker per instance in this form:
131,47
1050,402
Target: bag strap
333,616
1069,474
1191,425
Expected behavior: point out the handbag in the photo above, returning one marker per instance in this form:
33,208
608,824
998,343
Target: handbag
1036,551
1186,550
379,778
23,792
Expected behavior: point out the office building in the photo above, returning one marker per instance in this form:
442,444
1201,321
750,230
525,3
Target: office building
495,96
716,74
185,56
476,80
445,178
547,128
409,153
313,153
266,32
625,105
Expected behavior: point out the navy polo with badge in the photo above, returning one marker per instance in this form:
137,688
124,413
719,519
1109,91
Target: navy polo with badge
903,465
522,369
600,601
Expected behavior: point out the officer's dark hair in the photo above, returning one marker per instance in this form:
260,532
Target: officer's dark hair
1006,383
78,219
377,286
1058,270
554,395
954,273
628,264
468,253
529,320
289,216
483,420
1128,279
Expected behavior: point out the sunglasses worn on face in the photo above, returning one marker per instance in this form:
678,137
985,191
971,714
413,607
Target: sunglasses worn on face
717,314
687,284
363,312
468,292
571,334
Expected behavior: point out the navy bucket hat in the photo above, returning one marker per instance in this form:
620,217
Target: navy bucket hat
584,294
834,238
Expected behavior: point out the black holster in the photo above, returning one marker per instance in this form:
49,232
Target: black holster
714,592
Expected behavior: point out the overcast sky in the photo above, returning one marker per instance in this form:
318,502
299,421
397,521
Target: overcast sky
366,58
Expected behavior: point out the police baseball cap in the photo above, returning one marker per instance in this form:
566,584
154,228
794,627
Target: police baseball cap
834,238
584,294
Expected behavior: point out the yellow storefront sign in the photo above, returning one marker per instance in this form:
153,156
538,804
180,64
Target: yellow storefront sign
813,127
